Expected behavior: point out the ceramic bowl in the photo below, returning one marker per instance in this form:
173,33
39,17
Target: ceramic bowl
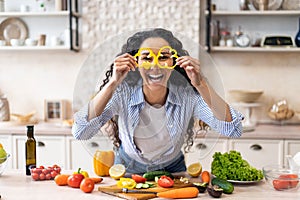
31,42
2,42
282,178
16,42
247,96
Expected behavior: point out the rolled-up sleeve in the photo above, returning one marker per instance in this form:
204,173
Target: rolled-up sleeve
83,129
203,112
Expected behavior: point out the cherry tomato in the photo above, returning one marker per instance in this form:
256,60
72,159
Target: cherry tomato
35,176
37,170
165,181
53,174
138,178
74,180
42,176
57,169
48,176
87,185
45,171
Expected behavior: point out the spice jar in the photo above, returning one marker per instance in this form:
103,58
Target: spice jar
225,35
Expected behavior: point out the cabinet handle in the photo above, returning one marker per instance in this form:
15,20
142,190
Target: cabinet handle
256,147
94,144
201,146
41,144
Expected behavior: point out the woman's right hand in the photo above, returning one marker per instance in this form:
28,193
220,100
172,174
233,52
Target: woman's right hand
122,65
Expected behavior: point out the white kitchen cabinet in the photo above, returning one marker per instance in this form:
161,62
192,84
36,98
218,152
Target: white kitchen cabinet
203,150
259,152
291,147
80,152
6,142
50,150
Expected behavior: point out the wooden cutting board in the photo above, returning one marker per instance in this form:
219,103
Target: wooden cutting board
115,191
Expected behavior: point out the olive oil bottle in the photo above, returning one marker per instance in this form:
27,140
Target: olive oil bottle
30,149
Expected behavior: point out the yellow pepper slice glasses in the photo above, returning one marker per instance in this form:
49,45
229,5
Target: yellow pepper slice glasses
164,59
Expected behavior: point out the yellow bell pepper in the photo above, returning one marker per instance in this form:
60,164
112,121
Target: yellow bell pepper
103,160
128,183
84,173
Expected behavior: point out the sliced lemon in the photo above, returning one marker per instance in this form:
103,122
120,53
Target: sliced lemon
117,171
195,169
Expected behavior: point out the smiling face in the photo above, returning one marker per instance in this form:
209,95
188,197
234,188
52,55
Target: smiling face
154,79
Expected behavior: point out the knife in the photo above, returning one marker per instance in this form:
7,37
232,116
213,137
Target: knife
124,190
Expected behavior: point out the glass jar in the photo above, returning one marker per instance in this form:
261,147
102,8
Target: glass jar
4,109
2,5
225,35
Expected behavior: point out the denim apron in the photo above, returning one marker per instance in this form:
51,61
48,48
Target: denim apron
133,166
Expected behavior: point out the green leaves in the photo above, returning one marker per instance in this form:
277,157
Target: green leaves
231,166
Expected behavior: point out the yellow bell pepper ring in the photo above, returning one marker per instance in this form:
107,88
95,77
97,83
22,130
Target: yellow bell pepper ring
84,173
128,183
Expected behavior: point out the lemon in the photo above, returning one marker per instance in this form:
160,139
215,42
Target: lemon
195,169
3,154
117,171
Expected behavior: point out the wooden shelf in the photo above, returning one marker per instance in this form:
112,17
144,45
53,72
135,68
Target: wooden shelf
6,48
32,14
255,13
254,49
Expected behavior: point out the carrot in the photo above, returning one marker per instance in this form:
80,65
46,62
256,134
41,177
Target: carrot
180,193
205,176
96,179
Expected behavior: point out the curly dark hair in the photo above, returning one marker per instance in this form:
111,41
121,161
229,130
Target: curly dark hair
178,76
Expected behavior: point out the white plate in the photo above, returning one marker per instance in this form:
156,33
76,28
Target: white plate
291,5
243,182
13,28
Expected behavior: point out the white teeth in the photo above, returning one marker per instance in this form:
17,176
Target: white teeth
156,76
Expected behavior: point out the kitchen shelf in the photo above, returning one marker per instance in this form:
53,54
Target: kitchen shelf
39,14
254,49
7,48
255,13
240,16
71,16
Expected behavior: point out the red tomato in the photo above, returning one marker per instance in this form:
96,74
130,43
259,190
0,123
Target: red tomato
165,181
138,179
292,183
74,180
87,185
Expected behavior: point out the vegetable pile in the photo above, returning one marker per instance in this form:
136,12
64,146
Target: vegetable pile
231,166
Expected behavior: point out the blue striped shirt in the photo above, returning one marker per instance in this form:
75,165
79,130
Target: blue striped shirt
182,103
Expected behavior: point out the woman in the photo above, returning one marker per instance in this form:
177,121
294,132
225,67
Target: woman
154,90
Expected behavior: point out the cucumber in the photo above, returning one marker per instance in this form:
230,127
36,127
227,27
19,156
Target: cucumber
224,184
150,176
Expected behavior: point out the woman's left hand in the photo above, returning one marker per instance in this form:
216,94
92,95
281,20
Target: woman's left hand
192,68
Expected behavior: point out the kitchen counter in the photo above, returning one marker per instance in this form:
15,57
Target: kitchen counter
41,128
262,131
15,185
